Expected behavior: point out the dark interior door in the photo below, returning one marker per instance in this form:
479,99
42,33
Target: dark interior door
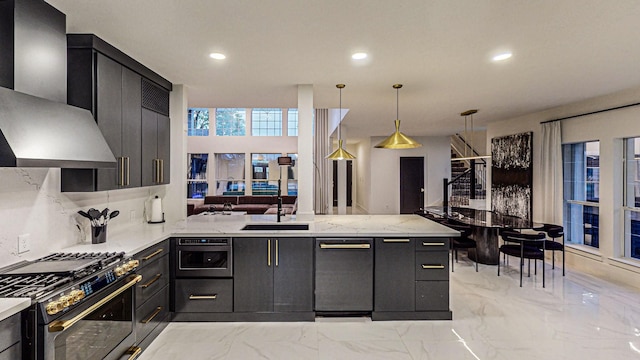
349,179
411,184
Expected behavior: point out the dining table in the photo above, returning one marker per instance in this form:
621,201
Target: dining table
486,226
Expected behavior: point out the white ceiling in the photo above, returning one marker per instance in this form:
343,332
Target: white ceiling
563,51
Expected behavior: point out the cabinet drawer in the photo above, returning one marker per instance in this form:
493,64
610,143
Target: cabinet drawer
9,331
204,295
432,265
432,244
151,313
153,253
432,295
154,277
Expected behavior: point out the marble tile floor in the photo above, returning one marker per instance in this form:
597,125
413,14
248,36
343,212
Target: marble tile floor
575,317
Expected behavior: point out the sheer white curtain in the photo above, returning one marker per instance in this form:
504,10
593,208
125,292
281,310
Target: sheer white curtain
321,148
551,172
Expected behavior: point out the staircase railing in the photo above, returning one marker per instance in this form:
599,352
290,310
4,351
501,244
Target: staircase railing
471,184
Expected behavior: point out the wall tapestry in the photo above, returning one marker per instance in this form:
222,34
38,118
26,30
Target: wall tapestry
512,175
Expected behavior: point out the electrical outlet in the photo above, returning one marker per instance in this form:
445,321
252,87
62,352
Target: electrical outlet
24,243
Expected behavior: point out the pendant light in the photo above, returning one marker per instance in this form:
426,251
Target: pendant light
469,115
398,140
340,153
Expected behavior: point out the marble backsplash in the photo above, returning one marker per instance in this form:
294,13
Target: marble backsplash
31,203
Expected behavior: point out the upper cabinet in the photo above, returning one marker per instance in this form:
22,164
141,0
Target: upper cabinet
130,103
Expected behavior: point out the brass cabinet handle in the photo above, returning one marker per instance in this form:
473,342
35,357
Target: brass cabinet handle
162,171
133,352
128,171
396,240
425,266
269,252
203,297
120,171
158,276
152,254
276,252
60,325
344,246
432,243
153,315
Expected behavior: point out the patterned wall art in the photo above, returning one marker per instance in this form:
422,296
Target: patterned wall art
512,175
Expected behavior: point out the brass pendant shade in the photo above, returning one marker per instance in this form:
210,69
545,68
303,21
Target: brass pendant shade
398,140
340,153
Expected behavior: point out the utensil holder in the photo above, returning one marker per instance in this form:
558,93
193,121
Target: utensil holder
98,234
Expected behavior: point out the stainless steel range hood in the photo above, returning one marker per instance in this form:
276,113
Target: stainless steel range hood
36,132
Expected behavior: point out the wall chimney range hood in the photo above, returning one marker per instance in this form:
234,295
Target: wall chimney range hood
36,132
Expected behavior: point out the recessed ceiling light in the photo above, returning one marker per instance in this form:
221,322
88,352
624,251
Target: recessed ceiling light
503,56
359,56
217,56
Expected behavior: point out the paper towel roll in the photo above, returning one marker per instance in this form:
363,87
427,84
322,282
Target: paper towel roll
156,210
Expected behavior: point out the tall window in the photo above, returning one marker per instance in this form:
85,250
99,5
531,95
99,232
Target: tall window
198,122
632,198
292,122
230,179
266,122
197,185
231,122
265,174
582,192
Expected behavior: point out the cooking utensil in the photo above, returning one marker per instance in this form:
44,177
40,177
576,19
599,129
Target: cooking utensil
84,214
95,214
103,216
112,215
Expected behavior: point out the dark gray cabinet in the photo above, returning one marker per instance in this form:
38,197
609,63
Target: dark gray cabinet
411,279
10,345
131,110
394,274
152,293
273,275
156,142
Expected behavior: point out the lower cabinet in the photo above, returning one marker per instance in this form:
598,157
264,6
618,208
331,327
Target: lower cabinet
203,295
411,279
10,345
152,293
273,275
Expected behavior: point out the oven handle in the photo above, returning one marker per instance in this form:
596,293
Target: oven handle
133,352
60,325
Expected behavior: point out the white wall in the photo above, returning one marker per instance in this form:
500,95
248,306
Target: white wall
362,178
384,178
609,128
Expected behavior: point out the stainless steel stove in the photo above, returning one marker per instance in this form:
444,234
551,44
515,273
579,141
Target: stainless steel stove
77,298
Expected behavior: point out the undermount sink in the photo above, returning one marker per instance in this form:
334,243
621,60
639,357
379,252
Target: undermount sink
276,226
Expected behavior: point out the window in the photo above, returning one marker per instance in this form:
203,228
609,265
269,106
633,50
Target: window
632,198
581,192
230,178
266,122
265,174
292,122
198,122
231,122
197,185
292,176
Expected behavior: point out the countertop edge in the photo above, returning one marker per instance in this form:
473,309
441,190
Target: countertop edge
12,306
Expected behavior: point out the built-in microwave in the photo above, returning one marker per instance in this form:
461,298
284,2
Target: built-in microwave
203,257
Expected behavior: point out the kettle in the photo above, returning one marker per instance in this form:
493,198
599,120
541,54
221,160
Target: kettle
156,215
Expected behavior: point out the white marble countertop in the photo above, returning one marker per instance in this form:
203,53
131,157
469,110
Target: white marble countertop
137,237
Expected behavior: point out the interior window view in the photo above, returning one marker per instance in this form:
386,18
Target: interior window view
319,180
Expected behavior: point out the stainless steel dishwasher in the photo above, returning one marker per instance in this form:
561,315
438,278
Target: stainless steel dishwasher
344,275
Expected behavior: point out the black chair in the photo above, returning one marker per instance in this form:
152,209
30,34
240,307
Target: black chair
554,232
524,246
462,242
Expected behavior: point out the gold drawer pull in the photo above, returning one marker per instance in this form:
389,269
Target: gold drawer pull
144,286
153,254
133,352
425,266
203,297
155,313
396,240
432,244
345,246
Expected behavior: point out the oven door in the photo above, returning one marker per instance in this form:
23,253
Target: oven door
204,261
103,328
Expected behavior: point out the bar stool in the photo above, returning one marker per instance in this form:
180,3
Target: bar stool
527,248
462,242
